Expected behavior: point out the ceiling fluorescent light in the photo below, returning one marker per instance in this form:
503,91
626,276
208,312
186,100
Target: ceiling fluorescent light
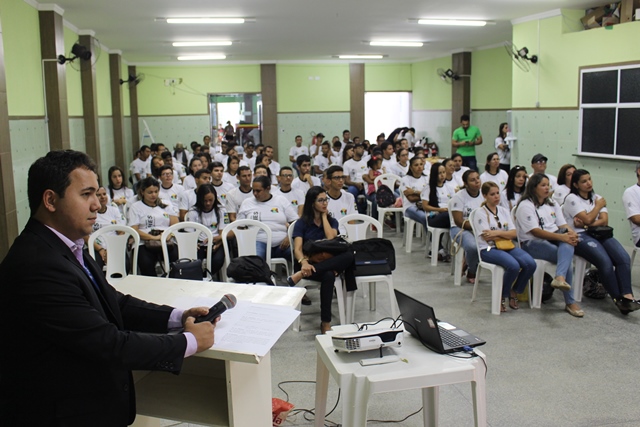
360,56
397,44
211,43
205,20
201,57
460,22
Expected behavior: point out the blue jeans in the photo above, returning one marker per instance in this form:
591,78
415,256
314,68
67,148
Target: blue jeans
374,207
276,252
470,162
361,204
559,253
469,246
606,255
518,266
412,212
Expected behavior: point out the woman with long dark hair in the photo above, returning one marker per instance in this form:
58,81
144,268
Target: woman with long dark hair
493,172
584,208
563,188
118,192
317,224
544,234
502,147
209,212
195,164
514,189
413,184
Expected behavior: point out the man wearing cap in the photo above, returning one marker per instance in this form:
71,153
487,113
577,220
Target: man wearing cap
539,165
631,201
465,139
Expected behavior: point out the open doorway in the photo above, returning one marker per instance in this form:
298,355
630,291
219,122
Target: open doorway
385,111
240,111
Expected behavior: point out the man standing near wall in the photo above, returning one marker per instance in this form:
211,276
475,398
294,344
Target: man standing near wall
465,139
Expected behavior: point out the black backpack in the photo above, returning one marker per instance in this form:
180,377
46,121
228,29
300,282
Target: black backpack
384,196
374,257
592,288
250,269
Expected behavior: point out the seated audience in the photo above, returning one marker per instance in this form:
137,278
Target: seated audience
118,193
106,215
238,195
539,165
195,164
187,199
321,162
514,189
222,188
231,175
564,184
631,202
493,172
294,195
305,180
401,167
168,189
341,202
354,170
458,169
413,184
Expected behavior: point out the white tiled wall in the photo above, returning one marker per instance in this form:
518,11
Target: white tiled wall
170,130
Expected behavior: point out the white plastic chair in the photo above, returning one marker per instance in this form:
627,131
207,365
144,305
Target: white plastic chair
457,259
246,232
409,228
580,267
358,231
497,273
117,245
633,256
186,235
390,181
537,280
306,283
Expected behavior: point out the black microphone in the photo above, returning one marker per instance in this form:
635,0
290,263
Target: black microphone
227,302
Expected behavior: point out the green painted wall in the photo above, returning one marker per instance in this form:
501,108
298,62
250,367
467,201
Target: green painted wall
74,83
387,77
312,88
562,52
23,65
429,91
190,97
490,79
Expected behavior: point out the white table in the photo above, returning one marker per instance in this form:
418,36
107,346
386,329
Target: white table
215,387
424,369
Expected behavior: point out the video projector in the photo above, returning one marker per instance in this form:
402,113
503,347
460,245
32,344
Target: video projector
372,339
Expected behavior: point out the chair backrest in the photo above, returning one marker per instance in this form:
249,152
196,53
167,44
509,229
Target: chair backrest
290,234
246,233
117,245
387,179
357,225
186,235
449,205
472,218
513,221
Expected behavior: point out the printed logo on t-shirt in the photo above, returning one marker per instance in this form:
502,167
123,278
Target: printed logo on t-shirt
213,225
343,212
223,197
96,226
226,219
114,222
149,221
294,202
166,215
174,196
274,210
553,214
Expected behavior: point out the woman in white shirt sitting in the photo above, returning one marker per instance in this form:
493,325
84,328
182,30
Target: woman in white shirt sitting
209,212
493,173
401,167
106,215
583,208
195,165
544,234
493,223
149,217
413,184
231,174
118,192
564,184
514,189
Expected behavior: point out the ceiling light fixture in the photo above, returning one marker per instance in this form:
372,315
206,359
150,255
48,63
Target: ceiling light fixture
210,43
460,22
397,44
360,56
205,20
202,57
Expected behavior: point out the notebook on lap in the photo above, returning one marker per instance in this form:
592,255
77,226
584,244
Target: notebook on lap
420,321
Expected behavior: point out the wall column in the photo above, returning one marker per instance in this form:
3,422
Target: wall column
55,78
8,212
90,100
269,106
356,96
460,89
115,60
133,107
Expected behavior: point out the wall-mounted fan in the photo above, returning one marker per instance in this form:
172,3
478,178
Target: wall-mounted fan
133,80
520,57
81,52
447,76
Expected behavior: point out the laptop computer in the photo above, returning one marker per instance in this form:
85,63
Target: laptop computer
420,321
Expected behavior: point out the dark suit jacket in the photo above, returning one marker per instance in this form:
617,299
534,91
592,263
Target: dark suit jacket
68,351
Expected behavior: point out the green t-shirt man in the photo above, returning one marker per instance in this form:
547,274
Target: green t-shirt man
466,137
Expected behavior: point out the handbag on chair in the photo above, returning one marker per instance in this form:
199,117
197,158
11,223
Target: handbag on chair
374,257
185,268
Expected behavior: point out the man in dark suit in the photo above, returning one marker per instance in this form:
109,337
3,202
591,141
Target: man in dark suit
71,340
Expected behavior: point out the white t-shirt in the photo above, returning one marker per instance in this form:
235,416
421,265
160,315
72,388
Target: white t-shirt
187,200
235,198
509,204
251,162
553,181
503,155
355,170
444,193
172,194
274,167
313,150
453,184
500,178
465,203
631,201
149,218
562,191
179,172
230,179
123,193
222,191
336,159
398,169
457,176
189,183
222,158
277,213
304,186
484,220
142,167
321,161
389,165
417,184
575,204
209,220
546,217
112,216
294,196
342,206
298,151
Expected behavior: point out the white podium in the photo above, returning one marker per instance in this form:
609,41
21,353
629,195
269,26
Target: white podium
215,387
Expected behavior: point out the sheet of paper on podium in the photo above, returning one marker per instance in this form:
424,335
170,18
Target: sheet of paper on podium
248,327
